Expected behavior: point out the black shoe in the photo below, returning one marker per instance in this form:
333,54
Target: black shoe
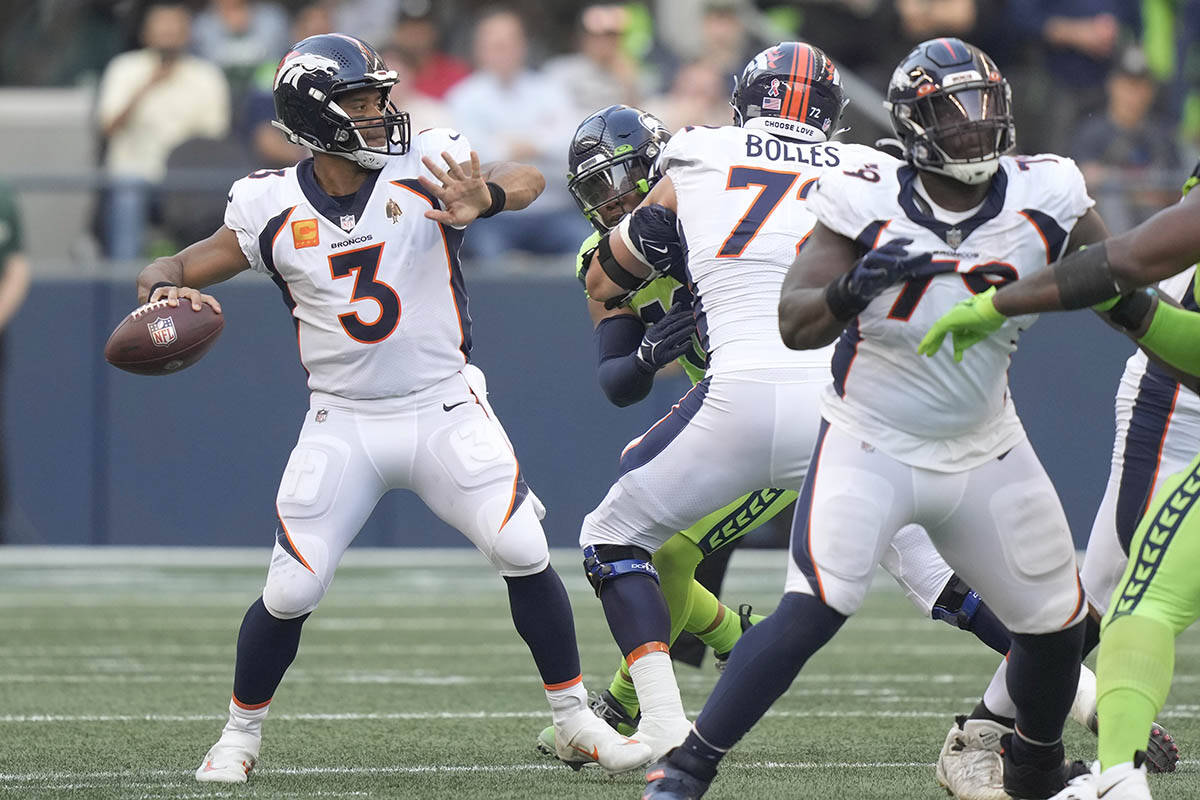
744,611
609,709
1162,754
674,777
1025,781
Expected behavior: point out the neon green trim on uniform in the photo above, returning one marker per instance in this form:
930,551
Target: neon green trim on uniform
1161,580
740,517
1172,336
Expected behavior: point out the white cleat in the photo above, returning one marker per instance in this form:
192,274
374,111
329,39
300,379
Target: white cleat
661,738
1081,788
970,766
584,739
1124,782
231,759
1083,708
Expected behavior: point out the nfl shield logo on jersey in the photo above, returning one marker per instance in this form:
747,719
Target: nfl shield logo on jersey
348,222
162,331
954,238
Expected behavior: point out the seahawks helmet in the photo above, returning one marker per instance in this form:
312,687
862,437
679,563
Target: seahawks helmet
611,156
309,81
952,109
792,90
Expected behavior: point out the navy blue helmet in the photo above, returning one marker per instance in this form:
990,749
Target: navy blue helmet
791,89
611,157
952,109
309,81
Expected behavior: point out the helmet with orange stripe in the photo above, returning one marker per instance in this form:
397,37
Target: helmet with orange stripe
952,109
791,89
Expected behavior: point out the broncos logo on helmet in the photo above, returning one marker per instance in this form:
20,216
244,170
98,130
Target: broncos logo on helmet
308,82
791,89
295,65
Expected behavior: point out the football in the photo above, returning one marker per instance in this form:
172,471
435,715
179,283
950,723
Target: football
156,339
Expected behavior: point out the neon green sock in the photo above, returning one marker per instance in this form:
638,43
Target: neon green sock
1133,672
622,689
676,562
724,627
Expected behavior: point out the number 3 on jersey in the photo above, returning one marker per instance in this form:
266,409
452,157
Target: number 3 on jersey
363,264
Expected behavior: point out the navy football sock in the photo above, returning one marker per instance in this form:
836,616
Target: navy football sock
636,611
1091,634
1043,671
541,612
988,628
761,668
266,647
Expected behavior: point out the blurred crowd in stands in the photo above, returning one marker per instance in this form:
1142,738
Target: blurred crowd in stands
184,89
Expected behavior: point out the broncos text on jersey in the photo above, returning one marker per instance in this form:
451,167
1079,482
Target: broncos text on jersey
375,288
935,413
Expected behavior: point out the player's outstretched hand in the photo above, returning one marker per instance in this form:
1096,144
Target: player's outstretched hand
968,323
667,339
882,267
463,196
173,294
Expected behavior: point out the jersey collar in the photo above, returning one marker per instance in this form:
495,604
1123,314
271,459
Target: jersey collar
993,203
334,209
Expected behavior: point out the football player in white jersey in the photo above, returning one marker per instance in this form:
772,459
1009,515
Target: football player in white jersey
751,421
612,161
928,442
364,246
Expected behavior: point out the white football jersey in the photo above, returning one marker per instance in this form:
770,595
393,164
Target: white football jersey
376,289
743,211
932,412
1139,378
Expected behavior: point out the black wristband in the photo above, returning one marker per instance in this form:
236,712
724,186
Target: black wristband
1131,310
499,198
158,286
1085,278
844,304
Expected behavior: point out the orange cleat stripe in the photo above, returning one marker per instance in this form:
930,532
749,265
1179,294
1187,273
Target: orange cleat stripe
645,650
554,687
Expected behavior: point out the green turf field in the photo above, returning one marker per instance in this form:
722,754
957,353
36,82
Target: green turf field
410,683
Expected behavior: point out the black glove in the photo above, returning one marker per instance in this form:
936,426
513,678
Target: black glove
667,339
875,271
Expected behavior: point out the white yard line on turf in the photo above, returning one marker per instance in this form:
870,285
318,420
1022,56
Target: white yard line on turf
1179,712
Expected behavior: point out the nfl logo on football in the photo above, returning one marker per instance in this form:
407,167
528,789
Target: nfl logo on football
162,331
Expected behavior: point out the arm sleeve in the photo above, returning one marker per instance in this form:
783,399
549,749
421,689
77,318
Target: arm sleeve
622,377
1173,336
